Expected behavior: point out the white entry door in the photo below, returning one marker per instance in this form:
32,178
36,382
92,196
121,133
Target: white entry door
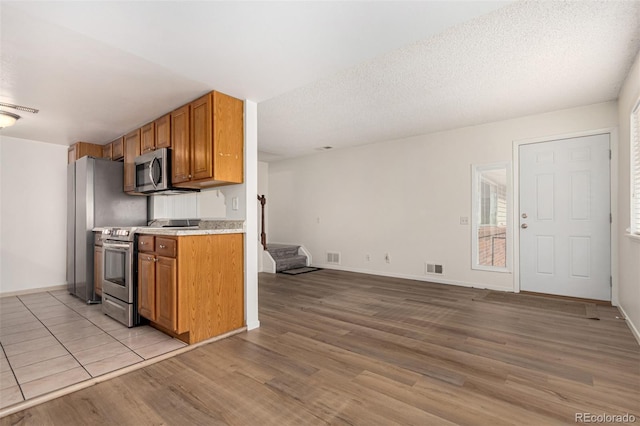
565,217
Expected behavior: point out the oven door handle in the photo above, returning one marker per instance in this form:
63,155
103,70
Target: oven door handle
153,181
116,246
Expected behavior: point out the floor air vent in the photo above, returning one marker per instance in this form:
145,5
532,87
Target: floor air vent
333,257
434,269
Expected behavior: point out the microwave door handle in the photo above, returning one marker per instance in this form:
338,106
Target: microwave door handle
153,182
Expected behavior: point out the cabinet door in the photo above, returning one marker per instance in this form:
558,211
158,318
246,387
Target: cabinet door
97,270
166,293
147,286
163,132
117,151
201,142
107,151
148,137
180,157
131,151
228,138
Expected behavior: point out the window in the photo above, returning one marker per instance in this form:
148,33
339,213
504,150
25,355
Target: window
635,169
490,220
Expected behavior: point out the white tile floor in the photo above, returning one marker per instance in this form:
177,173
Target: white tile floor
51,340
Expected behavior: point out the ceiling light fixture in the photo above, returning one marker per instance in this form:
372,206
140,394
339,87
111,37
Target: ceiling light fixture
8,119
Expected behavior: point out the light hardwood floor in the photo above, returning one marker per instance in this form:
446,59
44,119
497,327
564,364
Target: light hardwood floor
344,348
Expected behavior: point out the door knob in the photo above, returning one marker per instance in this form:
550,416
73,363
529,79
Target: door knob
524,215
524,226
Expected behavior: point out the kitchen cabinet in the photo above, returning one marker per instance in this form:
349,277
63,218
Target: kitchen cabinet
107,151
117,149
210,152
131,151
81,149
180,145
148,137
192,287
163,132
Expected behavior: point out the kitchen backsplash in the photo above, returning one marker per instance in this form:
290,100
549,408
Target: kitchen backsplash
209,203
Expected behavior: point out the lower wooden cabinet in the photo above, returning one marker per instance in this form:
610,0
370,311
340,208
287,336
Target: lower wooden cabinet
192,286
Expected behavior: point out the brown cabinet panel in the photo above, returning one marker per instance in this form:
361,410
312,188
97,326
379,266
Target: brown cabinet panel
81,149
97,270
228,138
107,151
180,154
146,243
148,137
117,150
131,151
201,146
167,293
166,247
163,132
147,286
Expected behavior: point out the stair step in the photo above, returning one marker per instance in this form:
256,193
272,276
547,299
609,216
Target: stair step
292,262
280,251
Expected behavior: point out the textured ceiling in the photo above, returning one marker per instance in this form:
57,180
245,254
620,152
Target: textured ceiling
324,73
526,58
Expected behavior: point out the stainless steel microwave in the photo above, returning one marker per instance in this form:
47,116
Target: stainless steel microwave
153,173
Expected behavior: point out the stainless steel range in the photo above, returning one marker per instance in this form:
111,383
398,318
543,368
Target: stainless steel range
119,281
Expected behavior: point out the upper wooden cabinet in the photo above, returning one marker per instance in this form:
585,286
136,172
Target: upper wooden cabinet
131,151
148,137
107,151
163,132
81,149
210,153
180,153
117,149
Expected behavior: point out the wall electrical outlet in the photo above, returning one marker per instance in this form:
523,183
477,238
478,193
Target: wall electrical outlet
234,203
387,257
464,220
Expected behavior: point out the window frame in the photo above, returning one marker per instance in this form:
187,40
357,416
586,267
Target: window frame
476,195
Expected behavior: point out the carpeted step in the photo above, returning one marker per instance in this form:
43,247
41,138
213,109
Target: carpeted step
292,262
281,251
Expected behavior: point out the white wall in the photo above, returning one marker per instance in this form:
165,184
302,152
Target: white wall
405,197
628,248
33,209
263,189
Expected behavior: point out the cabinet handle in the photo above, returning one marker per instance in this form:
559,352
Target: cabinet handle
142,243
162,246
151,258
189,176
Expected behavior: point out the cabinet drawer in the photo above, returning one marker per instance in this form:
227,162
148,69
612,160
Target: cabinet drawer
166,247
145,243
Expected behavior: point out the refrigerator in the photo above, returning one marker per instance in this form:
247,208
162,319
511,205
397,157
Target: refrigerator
95,198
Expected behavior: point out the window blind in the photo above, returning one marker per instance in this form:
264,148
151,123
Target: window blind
635,169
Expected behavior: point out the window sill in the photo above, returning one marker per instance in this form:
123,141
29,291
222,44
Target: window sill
633,237
491,269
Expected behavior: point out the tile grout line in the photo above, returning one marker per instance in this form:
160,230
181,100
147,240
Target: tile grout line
13,372
105,331
54,336
96,325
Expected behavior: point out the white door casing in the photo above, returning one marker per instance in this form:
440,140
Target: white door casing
565,193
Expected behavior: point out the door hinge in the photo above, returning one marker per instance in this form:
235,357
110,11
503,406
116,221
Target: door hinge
610,154
610,281
610,218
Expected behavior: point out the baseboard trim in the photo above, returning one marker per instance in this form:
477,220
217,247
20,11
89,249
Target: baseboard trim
253,325
33,290
429,278
630,324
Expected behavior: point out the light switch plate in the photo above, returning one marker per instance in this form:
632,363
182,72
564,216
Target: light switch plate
234,203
